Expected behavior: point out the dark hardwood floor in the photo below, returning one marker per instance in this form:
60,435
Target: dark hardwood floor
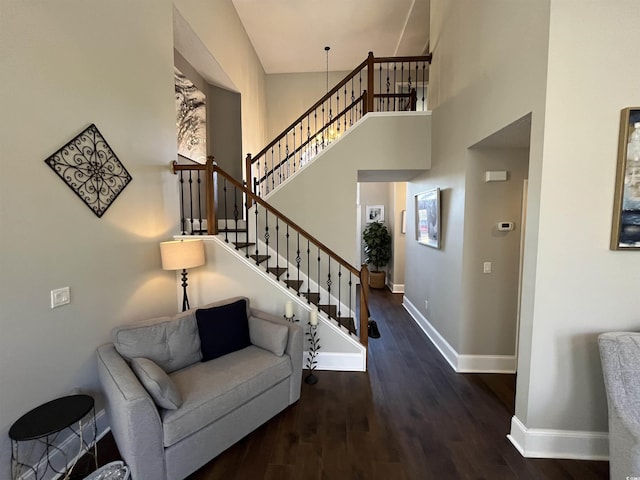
410,417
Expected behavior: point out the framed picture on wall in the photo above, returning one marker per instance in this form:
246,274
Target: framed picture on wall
625,232
428,218
374,213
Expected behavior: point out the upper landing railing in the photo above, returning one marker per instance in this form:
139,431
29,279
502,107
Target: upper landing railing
386,84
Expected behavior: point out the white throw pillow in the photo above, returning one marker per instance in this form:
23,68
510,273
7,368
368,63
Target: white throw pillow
157,383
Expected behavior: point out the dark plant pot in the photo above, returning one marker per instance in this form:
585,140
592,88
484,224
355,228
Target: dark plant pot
376,279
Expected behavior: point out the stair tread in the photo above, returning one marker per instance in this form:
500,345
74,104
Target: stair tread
260,258
232,230
277,271
243,244
295,284
348,322
313,297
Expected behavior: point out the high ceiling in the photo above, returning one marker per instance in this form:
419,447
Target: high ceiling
289,36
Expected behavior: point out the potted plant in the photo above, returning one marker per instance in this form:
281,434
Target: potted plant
377,249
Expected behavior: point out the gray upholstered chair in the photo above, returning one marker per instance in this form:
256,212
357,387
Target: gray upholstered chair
620,356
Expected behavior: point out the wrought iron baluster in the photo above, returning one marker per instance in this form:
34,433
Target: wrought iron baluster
353,99
191,200
273,173
277,245
279,163
424,84
319,275
236,211
388,89
395,70
308,271
328,280
266,238
183,222
256,230
287,264
339,290
199,181
380,99
298,260
351,309
315,127
294,147
226,220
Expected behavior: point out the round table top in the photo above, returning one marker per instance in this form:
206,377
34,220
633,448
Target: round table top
51,417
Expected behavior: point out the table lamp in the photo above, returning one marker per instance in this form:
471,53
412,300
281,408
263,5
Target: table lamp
180,255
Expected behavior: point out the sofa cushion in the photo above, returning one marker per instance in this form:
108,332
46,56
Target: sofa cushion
157,383
170,342
223,329
268,335
212,389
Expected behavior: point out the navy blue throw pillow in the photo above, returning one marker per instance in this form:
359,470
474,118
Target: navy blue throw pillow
223,329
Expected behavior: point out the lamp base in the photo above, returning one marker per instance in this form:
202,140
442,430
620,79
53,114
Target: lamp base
311,379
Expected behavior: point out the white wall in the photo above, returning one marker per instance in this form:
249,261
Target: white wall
582,288
63,66
575,77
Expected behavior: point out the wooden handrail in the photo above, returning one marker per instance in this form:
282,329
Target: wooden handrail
369,95
313,107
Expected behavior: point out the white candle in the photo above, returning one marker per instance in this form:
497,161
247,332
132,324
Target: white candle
313,317
288,309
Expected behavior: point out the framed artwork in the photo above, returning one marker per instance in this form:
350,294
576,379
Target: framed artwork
428,218
625,232
191,119
374,213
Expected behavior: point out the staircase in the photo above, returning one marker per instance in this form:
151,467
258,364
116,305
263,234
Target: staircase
239,215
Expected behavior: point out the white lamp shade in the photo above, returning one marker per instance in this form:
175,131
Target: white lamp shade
182,254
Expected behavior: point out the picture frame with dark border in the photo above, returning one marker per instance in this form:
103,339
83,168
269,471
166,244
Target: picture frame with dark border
625,230
427,205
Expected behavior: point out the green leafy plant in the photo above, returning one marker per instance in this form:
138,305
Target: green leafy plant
377,245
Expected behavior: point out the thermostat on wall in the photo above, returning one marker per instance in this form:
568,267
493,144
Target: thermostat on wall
505,226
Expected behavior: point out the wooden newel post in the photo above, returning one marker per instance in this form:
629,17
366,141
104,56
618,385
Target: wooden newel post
248,177
370,89
210,186
364,305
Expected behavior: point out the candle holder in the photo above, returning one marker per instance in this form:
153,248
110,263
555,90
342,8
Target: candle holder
314,346
291,319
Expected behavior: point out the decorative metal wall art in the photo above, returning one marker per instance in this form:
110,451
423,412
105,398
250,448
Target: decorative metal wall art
88,166
191,119
625,233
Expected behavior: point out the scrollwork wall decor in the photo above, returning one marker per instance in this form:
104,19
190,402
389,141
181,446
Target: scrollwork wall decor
88,166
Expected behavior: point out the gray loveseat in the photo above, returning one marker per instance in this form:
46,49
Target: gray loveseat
189,410
620,356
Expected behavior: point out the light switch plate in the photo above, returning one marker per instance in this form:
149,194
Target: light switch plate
60,296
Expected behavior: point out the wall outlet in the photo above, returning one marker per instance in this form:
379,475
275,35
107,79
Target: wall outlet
60,296
487,267
426,304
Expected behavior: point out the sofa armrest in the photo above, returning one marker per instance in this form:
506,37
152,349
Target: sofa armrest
293,349
620,357
135,421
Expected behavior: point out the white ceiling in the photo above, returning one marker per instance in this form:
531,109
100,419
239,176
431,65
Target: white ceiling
289,36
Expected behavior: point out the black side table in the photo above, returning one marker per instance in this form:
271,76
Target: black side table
44,423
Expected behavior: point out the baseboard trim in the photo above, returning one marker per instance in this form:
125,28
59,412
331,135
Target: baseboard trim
396,287
68,449
338,362
548,443
460,363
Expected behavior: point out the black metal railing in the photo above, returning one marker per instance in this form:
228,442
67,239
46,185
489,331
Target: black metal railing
275,243
377,84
